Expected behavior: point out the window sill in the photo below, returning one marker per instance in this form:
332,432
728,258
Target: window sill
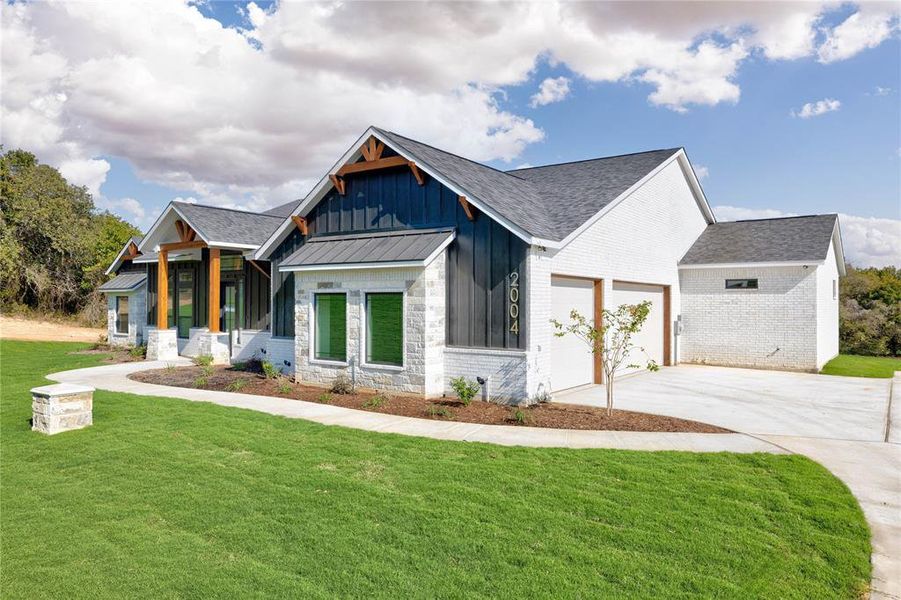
378,367
329,363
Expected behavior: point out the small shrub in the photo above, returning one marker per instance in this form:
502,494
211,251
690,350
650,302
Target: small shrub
439,411
252,365
466,390
284,385
203,360
376,401
201,381
542,397
207,370
236,385
138,352
325,398
342,385
270,370
170,368
519,416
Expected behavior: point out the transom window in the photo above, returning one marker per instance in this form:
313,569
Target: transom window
330,329
741,284
385,328
121,314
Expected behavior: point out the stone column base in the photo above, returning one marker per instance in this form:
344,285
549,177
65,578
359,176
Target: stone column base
162,344
215,345
61,407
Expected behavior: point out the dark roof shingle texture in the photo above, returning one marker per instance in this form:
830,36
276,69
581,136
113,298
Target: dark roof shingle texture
369,248
228,225
792,239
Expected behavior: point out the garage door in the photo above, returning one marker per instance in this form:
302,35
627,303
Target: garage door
651,335
572,363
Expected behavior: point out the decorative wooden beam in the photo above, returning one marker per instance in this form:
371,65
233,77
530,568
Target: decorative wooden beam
132,252
214,290
372,165
185,232
301,225
338,183
254,264
372,149
416,173
468,208
182,245
162,290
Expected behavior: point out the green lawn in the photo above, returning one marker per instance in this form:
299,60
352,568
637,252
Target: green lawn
169,498
862,366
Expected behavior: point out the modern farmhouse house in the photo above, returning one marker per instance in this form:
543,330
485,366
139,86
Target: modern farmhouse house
406,266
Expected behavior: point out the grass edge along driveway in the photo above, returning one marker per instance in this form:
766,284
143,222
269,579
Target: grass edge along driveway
169,498
851,365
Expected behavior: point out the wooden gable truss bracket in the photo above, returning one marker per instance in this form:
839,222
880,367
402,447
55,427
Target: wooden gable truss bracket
301,224
185,233
372,161
468,208
132,252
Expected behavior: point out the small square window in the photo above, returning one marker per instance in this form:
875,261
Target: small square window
121,314
330,335
385,329
741,284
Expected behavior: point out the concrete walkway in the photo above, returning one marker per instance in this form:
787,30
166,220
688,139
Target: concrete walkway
114,378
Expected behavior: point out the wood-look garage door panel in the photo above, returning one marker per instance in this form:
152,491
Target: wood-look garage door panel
651,335
572,363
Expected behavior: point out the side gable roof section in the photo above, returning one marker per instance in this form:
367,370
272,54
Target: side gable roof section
220,227
780,241
525,201
136,240
126,282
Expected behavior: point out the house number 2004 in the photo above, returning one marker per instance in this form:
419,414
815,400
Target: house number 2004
514,302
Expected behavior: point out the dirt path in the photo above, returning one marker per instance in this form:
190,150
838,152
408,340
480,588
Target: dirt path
15,328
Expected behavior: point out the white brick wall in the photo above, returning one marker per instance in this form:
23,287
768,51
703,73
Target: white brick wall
827,309
505,370
424,334
773,326
280,350
137,319
253,342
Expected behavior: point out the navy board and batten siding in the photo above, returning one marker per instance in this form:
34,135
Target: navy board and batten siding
482,261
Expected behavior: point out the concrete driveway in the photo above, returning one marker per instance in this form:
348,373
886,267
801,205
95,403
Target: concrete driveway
844,423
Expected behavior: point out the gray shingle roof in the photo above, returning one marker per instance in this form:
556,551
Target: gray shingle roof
229,225
283,210
548,202
125,282
790,239
376,249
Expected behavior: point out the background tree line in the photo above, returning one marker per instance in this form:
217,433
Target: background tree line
870,312
54,244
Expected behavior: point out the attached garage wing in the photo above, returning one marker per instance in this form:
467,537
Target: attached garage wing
651,336
572,362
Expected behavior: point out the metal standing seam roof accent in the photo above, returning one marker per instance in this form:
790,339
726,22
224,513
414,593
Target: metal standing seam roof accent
377,248
124,282
229,225
786,239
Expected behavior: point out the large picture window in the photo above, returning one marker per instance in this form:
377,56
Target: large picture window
385,329
121,314
330,334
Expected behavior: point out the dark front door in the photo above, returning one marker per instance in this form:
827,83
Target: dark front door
232,309
185,303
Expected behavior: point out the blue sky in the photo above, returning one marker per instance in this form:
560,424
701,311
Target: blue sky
247,104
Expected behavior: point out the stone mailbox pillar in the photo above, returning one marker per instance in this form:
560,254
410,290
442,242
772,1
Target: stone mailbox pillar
61,407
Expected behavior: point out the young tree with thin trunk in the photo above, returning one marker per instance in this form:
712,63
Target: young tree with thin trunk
611,339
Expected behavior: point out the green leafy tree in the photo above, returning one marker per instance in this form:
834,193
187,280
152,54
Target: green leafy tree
870,311
611,339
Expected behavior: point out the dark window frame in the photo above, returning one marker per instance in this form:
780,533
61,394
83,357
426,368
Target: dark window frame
119,314
367,332
736,284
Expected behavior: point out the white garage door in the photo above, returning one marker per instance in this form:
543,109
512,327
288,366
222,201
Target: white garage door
651,335
572,363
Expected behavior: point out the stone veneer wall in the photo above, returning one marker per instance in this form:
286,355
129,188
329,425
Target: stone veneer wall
424,327
137,319
771,327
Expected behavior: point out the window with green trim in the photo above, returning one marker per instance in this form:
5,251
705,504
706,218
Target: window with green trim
385,329
330,335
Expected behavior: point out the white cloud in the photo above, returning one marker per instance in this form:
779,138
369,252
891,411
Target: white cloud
881,91
253,116
552,89
815,109
701,172
866,28
867,241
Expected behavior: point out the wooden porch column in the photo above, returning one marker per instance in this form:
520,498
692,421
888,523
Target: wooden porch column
162,290
214,290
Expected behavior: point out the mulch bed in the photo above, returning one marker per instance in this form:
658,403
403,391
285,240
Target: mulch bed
555,415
